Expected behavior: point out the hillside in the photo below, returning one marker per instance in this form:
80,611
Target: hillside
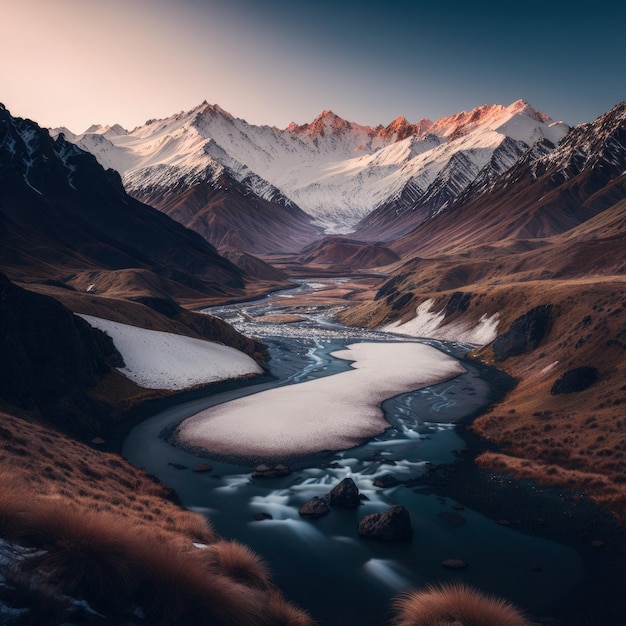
533,268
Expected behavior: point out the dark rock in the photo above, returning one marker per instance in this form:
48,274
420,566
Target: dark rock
259,517
458,302
524,334
577,379
316,507
265,471
346,493
202,467
402,301
454,563
177,466
386,481
392,525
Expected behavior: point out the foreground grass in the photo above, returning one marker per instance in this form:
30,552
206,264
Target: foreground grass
455,605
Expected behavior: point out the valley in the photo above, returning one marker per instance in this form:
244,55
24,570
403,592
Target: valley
259,257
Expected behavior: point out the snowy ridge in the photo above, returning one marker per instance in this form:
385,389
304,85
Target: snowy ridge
335,170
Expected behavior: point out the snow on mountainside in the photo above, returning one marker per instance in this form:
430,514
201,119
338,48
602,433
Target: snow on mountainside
335,170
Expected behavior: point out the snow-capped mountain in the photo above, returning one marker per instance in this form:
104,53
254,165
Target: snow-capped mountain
337,171
548,192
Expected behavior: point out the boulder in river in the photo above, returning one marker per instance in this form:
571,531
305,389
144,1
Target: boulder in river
259,517
385,481
392,525
266,471
345,494
316,507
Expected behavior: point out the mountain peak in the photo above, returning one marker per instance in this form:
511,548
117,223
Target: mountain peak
325,122
523,107
402,128
212,109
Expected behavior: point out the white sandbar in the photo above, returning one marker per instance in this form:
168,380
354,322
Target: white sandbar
332,413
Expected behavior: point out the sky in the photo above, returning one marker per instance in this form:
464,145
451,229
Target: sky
73,63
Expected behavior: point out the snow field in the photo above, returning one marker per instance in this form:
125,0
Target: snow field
161,360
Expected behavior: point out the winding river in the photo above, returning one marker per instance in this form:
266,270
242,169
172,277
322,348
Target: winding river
322,564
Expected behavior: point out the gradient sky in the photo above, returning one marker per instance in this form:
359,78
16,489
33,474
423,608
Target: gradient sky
77,62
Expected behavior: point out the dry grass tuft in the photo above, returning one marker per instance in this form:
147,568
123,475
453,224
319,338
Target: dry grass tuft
178,589
195,526
455,604
238,562
284,613
88,554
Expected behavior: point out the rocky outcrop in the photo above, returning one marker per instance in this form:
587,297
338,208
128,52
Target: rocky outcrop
345,494
392,525
386,481
274,471
577,379
524,334
314,508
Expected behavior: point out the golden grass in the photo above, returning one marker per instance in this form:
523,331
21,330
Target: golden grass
87,554
286,613
239,563
178,589
454,604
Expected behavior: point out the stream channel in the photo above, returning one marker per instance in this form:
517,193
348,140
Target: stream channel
323,565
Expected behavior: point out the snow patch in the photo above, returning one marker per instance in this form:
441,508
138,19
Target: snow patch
331,413
427,323
160,360
549,368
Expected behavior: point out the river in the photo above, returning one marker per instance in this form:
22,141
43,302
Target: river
323,565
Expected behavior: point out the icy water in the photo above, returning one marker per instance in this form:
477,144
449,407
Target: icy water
322,564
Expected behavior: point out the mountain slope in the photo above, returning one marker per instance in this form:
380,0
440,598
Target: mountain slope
61,213
544,194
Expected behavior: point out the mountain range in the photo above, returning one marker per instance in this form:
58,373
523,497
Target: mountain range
337,172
